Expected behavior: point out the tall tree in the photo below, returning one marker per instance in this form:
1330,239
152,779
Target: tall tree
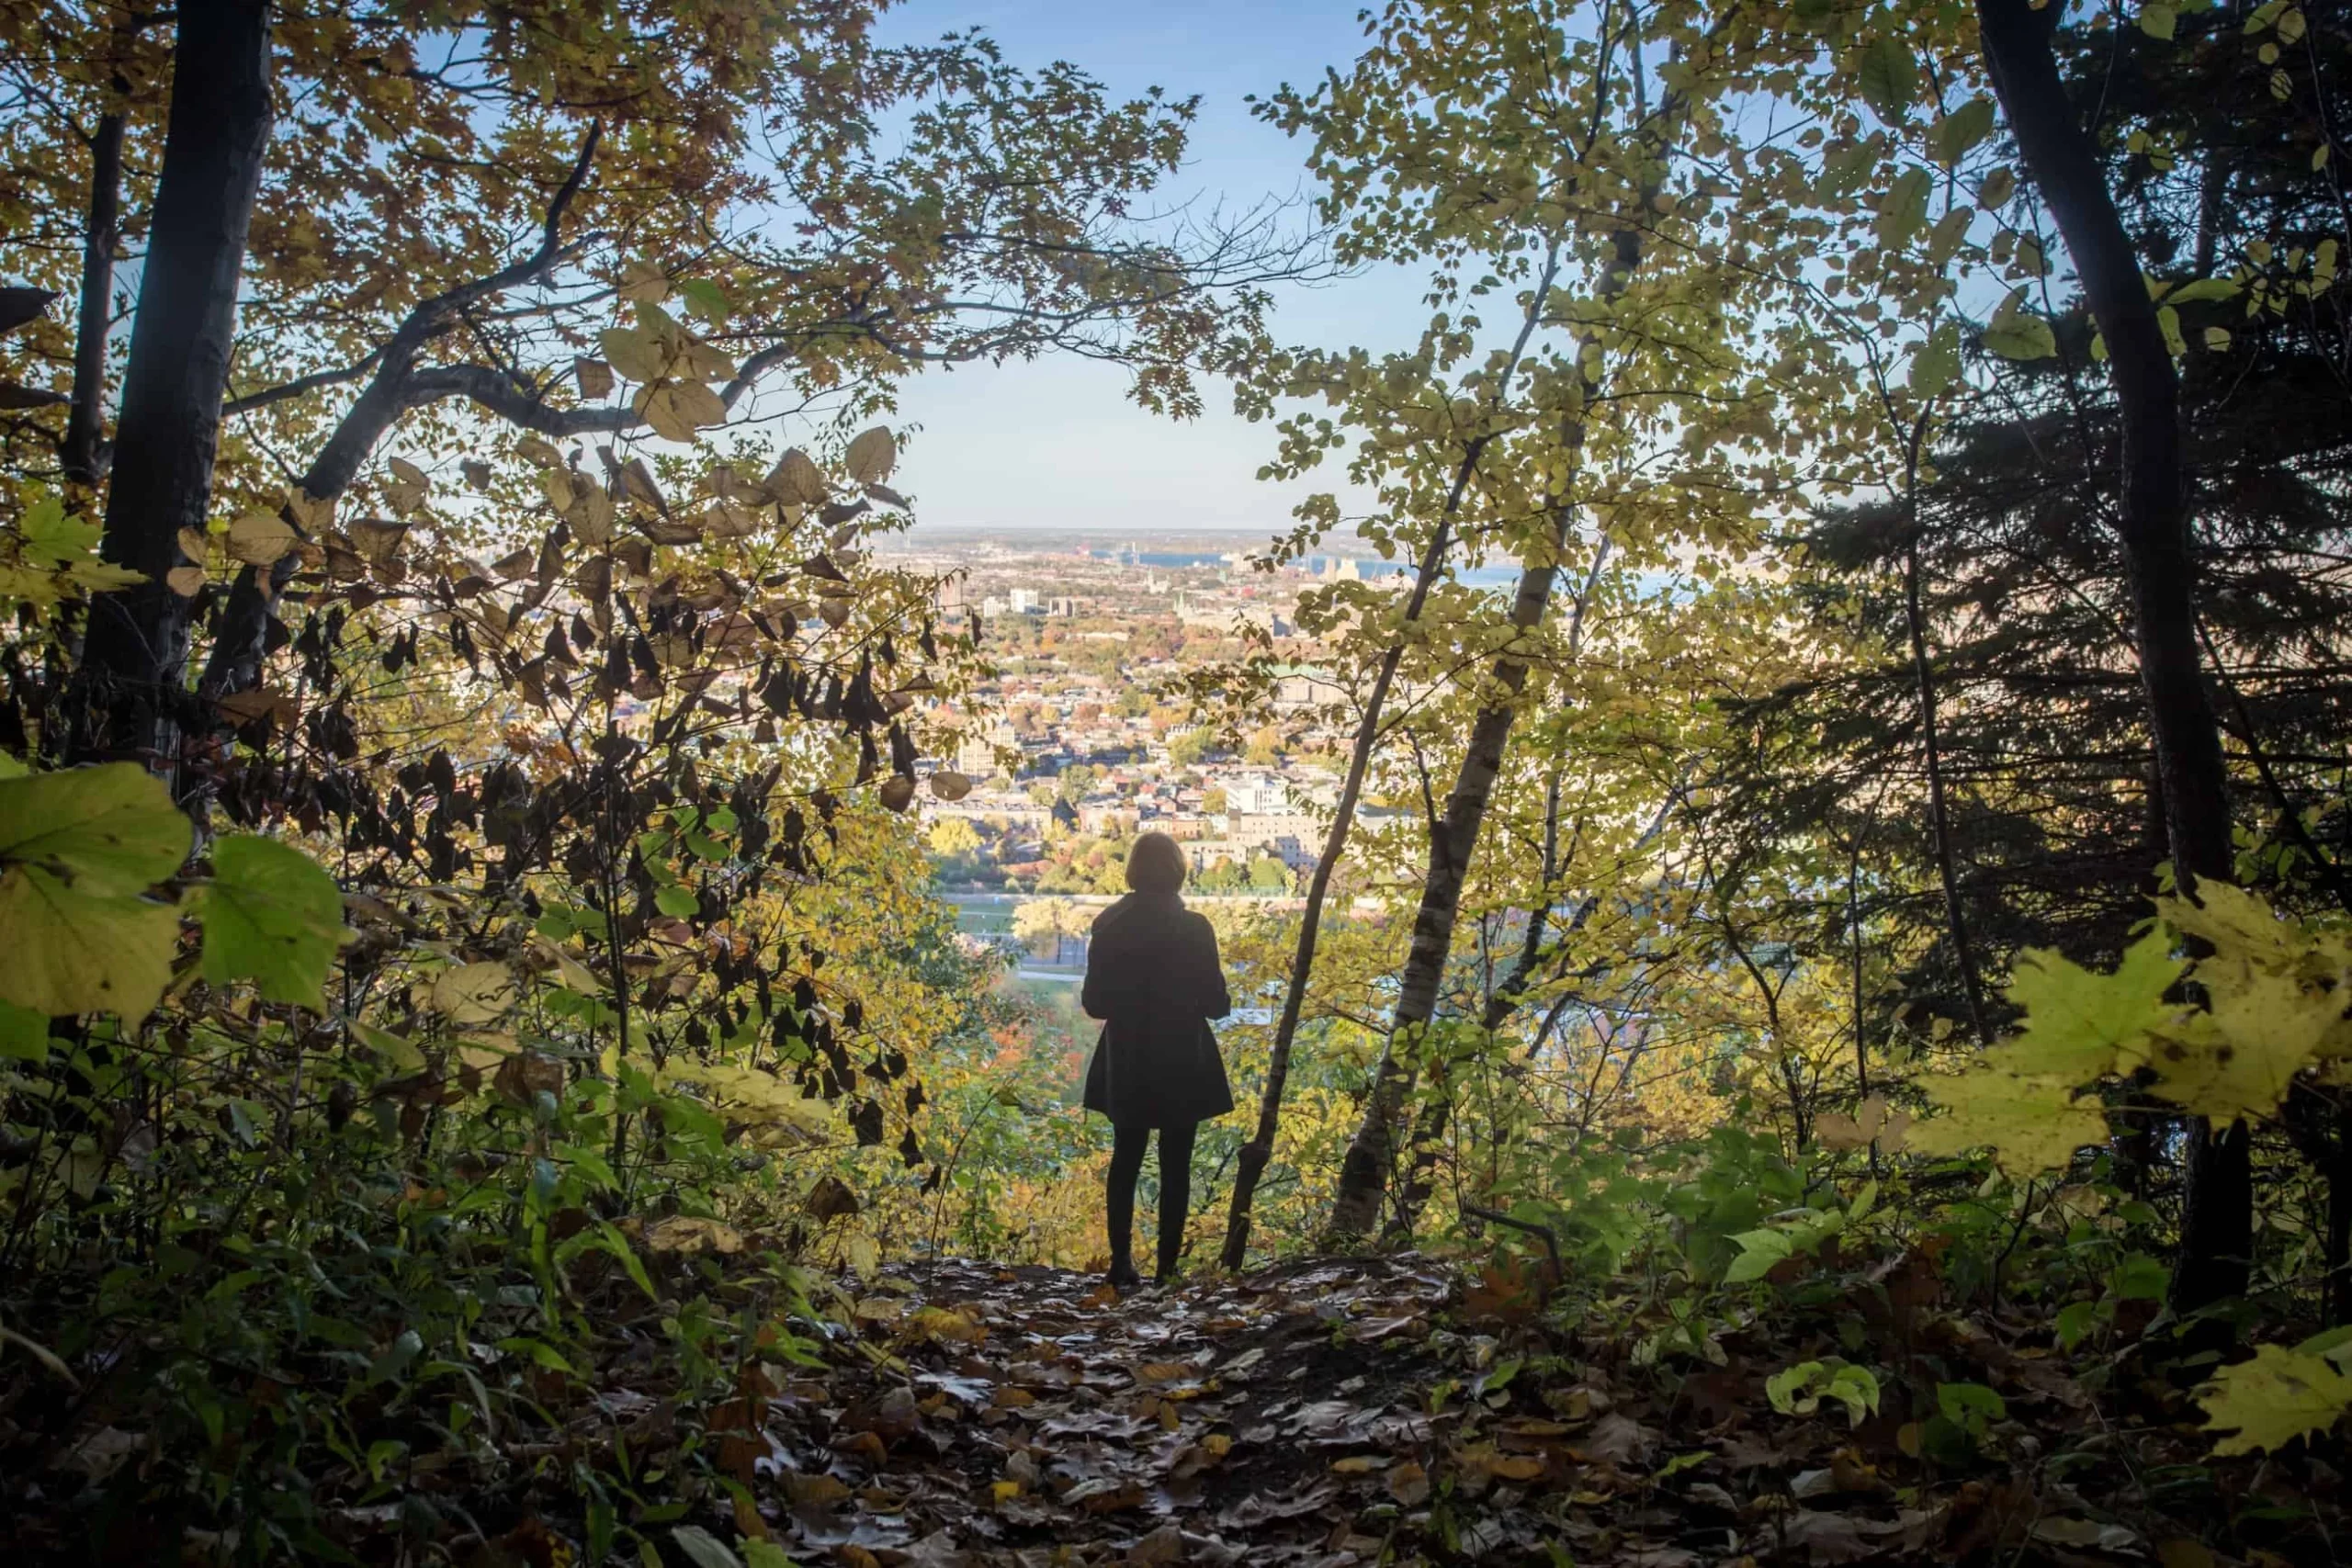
2217,1225
168,430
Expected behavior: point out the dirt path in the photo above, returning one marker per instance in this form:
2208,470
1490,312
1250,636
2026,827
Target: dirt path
1029,1416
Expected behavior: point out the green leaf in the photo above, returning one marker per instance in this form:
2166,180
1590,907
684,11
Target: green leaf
1963,128
52,537
2270,1401
765,1554
72,951
2205,289
110,828
394,1048
24,1034
2074,1323
271,914
2159,17
2014,332
1935,364
1904,210
706,1549
2077,1020
541,1352
2139,1278
1759,1251
1888,77
1970,1405
705,298
676,901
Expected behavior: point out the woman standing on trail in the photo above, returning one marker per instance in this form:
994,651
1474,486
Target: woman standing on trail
1152,976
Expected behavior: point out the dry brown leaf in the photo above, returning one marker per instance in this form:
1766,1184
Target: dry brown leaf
594,375
871,456
680,1233
258,538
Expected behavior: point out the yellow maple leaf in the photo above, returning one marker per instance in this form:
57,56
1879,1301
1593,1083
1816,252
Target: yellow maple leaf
2032,1121
2270,1401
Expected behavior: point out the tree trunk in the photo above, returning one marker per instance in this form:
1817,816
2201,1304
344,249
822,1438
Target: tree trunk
1364,1175
83,454
1939,809
181,337
1260,1149
2217,1220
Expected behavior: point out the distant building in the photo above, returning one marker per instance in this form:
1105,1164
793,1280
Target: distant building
976,754
1061,604
1291,835
1298,687
1021,601
1256,794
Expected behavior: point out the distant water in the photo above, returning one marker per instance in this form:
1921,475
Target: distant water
1479,577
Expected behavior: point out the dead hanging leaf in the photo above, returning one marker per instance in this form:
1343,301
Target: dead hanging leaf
678,409
378,539
871,456
592,519
569,969
526,1074
642,283
730,521
637,483
822,568
594,375
258,538
187,581
897,792
474,993
478,473
636,352
834,609
1874,1122
949,785
344,565
407,488
244,708
537,450
796,478
680,1233
194,544
312,514
668,530
515,563
830,1199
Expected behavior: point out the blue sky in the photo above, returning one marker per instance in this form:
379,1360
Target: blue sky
1054,444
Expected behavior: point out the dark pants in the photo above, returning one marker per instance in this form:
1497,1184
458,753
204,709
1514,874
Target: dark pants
1175,1190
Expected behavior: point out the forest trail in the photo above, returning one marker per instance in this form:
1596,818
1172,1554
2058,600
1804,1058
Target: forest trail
1329,1412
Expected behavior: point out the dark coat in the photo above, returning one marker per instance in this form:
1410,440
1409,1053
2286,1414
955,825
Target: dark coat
1152,976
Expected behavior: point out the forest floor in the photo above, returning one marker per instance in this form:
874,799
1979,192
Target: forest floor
1326,1413
1335,1412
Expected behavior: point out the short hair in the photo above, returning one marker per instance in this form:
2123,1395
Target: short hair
1156,865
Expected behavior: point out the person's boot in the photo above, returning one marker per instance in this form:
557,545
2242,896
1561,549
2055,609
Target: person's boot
1123,1275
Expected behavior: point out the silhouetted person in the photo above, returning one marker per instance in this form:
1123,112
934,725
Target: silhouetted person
1152,975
